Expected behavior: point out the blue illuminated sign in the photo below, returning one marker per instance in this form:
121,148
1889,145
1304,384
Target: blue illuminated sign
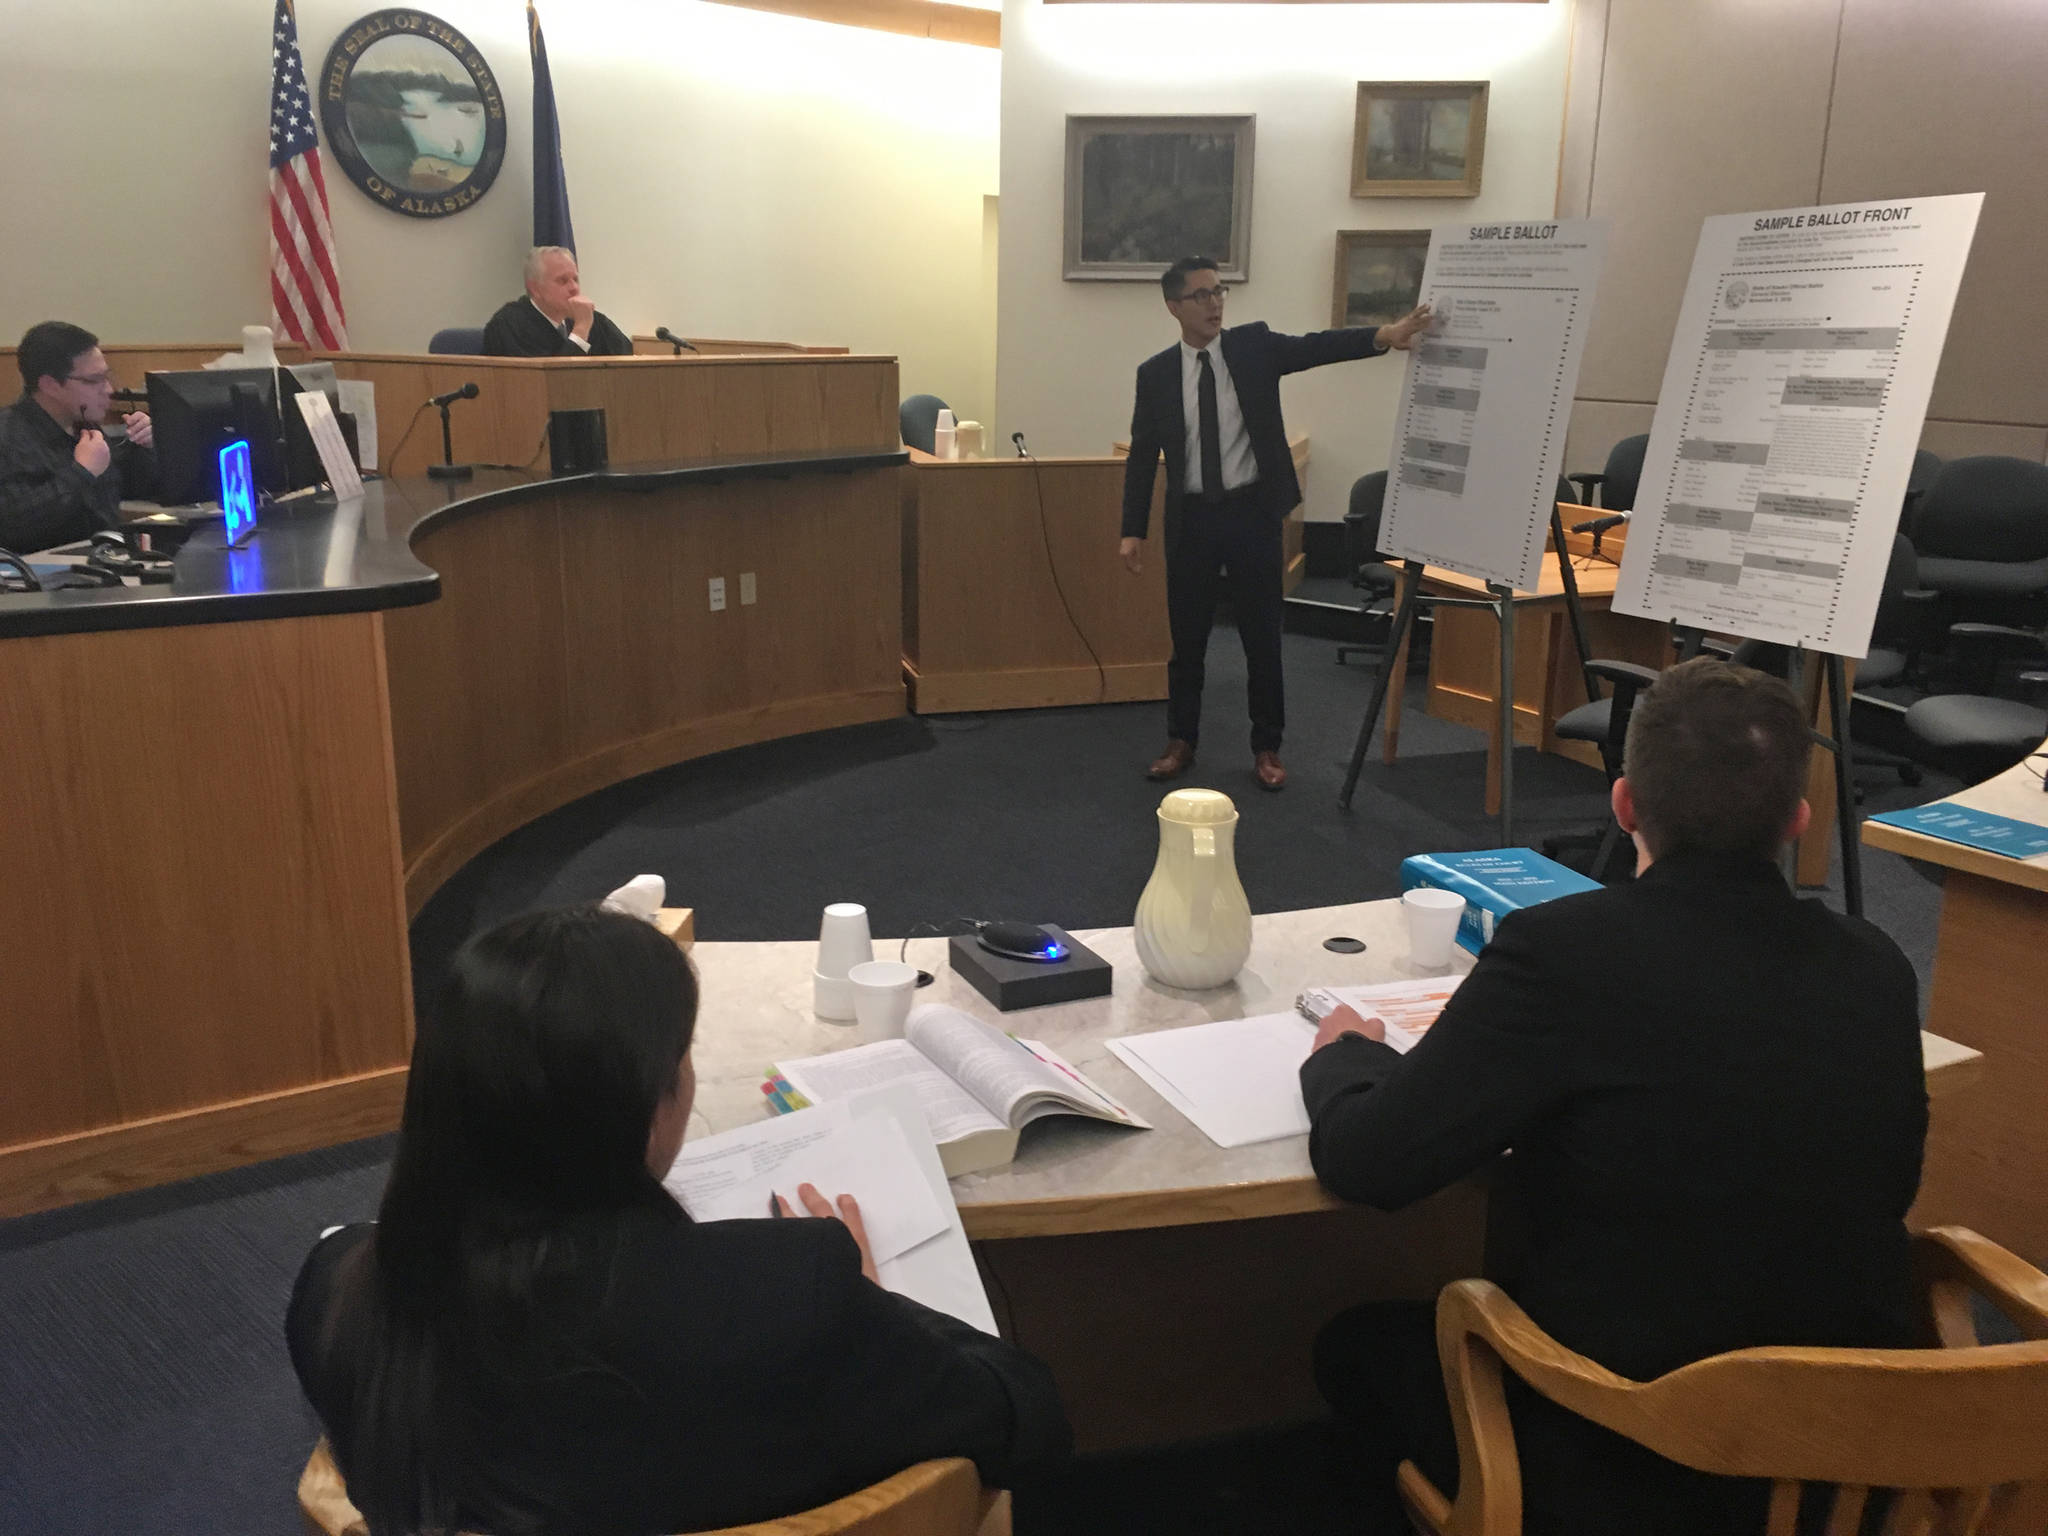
237,492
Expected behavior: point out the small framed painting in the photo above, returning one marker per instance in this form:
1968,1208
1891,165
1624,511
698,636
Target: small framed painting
1418,138
1142,192
1379,275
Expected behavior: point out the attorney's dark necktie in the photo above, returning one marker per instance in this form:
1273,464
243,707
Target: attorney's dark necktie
1212,431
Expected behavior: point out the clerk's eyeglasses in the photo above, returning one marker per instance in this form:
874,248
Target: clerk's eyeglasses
91,380
1205,295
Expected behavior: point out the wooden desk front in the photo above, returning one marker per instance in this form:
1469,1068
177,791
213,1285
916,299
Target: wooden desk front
1174,1286
1987,1152
1011,576
655,408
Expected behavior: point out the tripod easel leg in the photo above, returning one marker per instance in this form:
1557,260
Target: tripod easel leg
1504,611
1397,650
1845,786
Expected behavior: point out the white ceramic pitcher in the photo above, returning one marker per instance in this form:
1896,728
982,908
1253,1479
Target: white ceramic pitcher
1194,926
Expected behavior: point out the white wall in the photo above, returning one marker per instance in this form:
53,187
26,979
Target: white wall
731,173
1068,350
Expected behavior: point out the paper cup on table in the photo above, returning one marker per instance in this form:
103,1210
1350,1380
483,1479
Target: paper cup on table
843,943
882,990
1433,918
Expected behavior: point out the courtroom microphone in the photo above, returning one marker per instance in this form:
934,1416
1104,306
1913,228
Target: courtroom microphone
1598,526
663,333
448,469
1018,439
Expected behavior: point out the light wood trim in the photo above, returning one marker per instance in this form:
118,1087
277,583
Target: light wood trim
40,1175
716,346
482,826
1956,856
933,19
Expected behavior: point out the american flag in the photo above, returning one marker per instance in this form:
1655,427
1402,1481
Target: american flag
305,285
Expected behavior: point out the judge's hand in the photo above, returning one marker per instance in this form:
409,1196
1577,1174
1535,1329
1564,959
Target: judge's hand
848,1212
91,453
1132,552
140,432
1347,1021
1400,336
581,313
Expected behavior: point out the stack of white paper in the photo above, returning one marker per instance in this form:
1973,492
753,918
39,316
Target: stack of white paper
1238,1081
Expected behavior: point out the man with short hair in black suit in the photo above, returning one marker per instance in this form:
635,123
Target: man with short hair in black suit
555,319
1714,1103
60,477
1211,403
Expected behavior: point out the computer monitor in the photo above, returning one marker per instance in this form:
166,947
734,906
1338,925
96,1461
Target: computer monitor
198,413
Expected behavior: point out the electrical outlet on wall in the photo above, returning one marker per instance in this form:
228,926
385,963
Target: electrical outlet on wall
746,588
718,594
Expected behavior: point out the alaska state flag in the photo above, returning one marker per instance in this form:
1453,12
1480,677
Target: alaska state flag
551,224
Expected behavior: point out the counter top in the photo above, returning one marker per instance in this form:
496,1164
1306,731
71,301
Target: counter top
317,556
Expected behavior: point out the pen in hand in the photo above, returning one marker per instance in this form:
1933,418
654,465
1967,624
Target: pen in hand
774,1204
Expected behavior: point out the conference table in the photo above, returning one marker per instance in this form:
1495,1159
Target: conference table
1987,1151
1173,1286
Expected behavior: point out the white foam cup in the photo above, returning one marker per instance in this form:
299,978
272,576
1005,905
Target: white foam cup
843,943
1433,917
882,990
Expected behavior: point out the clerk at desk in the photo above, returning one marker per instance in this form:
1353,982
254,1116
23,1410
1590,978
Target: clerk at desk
60,479
555,319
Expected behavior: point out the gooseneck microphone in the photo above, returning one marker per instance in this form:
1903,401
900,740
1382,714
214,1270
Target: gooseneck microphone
663,333
1018,439
448,469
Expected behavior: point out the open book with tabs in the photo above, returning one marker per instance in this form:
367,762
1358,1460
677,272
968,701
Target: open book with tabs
978,1087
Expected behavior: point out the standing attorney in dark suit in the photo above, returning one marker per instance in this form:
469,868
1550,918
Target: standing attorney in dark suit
1716,1104
1211,403
555,319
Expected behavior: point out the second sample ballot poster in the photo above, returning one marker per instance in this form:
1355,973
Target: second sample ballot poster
1791,408
1479,439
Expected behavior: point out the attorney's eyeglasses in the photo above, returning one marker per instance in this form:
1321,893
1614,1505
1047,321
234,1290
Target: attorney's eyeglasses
1205,295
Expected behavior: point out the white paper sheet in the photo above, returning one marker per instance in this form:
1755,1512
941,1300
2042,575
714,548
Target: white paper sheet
1792,403
1238,1080
730,1176
1479,438
1406,1009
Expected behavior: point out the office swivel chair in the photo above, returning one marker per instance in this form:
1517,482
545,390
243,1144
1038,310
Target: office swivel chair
1981,531
1976,735
1905,612
1615,486
917,420
458,341
1377,580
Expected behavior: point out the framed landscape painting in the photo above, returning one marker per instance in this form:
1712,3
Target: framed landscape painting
1144,191
1418,138
1379,275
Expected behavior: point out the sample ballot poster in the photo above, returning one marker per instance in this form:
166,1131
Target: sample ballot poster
1479,439
1791,407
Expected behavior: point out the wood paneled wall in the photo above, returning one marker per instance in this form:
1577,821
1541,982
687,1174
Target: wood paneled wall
574,645
1676,112
202,901
656,408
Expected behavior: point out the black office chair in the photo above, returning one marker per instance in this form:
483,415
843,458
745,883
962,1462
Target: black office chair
1615,486
1904,627
1981,531
917,421
1377,580
458,341
1976,735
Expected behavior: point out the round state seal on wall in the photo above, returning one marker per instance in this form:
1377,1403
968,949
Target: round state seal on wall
412,113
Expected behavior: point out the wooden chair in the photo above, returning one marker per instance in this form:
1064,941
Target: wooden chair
1960,1428
933,1498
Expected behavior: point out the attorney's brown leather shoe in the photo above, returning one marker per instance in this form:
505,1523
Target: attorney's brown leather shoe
1267,770
1176,760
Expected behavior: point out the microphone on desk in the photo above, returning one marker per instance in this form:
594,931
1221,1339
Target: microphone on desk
1018,439
663,333
448,469
1598,526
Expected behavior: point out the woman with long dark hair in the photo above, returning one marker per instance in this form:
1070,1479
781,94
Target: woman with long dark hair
534,1337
